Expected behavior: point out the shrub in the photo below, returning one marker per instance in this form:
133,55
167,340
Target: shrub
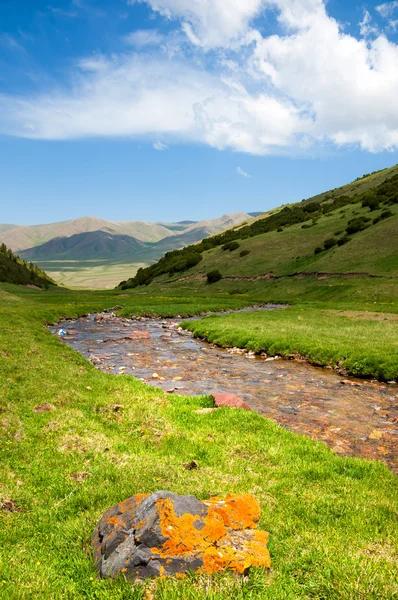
358,224
213,276
312,207
318,250
280,229
343,240
385,214
329,243
374,204
231,246
244,253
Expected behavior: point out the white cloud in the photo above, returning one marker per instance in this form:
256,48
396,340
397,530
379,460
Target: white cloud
143,38
160,146
314,84
387,9
211,23
136,96
348,85
366,26
242,173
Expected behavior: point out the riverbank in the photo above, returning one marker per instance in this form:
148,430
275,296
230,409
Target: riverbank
359,343
103,438
358,418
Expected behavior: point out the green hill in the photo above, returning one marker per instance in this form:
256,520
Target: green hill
14,270
352,230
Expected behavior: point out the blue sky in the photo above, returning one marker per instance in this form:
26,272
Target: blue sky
177,109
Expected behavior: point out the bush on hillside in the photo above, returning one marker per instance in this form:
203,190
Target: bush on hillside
244,253
372,203
231,246
357,224
213,276
329,243
343,240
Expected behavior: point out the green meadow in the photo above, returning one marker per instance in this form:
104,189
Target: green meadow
332,520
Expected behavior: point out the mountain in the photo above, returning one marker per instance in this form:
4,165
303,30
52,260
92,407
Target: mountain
23,237
94,252
14,270
351,229
107,246
5,227
20,238
91,245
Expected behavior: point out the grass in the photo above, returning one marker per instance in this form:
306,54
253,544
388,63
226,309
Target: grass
91,274
364,344
373,251
332,520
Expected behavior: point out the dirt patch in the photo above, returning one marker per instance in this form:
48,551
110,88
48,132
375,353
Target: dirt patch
10,506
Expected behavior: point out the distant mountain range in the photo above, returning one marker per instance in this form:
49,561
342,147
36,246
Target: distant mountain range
94,239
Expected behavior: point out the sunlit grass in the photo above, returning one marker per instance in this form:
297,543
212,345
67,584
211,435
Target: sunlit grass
332,520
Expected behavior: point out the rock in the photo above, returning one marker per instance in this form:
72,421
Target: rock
137,335
230,400
72,332
155,376
164,534
43,408
348,382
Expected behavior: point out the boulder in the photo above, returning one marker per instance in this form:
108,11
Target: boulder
230,400
163,534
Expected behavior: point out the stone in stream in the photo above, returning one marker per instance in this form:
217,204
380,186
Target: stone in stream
163,534
230,400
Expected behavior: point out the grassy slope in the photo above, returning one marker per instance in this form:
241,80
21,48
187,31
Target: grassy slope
359,186
332,520
373,251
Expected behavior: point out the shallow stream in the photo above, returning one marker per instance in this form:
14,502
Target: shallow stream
353,417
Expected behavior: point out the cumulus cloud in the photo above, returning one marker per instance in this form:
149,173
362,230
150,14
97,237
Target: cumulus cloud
160,146
313,84
242,173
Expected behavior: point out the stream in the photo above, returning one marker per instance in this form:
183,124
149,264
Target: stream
354,417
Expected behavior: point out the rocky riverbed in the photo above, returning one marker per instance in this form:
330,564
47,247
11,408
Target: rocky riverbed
353,417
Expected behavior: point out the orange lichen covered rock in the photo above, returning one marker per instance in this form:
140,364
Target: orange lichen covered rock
165,534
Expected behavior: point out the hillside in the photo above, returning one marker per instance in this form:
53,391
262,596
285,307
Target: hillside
16,271
91,245
352,229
